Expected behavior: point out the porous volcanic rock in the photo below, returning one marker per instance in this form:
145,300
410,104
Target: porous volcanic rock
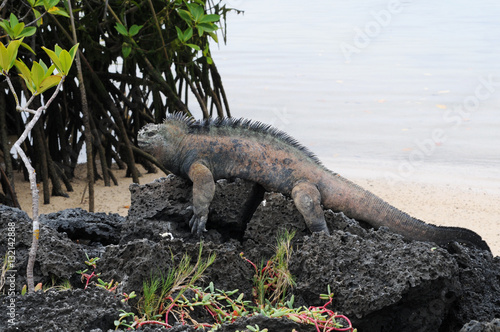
475,326
57,257
68,310
164,206
83,226
379,280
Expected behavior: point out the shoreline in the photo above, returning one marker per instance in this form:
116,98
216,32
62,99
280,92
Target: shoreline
433,199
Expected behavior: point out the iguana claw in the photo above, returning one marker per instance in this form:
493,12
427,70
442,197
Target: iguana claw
197,224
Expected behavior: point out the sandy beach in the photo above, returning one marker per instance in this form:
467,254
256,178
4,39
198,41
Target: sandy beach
439,203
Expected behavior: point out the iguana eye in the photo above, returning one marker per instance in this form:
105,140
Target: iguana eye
150,134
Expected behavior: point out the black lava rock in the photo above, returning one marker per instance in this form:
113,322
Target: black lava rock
380,280
83,226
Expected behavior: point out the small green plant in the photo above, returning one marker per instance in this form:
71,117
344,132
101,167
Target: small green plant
164,292
174,296
62,286
123,320
5,268
271,284
272,281
159,290
255,328
91,262
110,286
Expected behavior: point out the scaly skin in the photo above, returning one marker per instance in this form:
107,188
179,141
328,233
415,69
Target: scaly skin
205,151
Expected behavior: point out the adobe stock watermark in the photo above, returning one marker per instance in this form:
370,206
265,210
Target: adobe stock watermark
372,29
233,2
9,281
452,119
280,119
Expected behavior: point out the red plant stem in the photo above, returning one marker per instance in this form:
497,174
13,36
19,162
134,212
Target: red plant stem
169,308
249,261
322,325
153,322
182,318
88,277
213,308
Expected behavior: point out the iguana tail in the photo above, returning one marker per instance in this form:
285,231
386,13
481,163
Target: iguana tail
343,195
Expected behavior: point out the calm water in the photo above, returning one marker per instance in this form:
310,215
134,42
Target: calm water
395,88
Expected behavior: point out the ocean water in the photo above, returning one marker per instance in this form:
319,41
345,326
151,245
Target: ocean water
395,89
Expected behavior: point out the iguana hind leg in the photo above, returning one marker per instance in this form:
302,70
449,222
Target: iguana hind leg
307,199
203,193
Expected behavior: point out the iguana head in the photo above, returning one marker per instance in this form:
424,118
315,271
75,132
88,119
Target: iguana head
162,141
150,140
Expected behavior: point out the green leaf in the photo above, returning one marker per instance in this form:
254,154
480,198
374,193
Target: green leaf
26,32
196,47
214,36
44,66
200,30
126,49
196,11
24,71
31,2
37,15
58,11
17,29
66,62
208,27
188,34
53,56
58,49
4,59
25,74
185,15
48,83
50,70
37,74
13,20
210,18
48,4
134,30
73,50
122,30
8,54
180,34
62,59
6,26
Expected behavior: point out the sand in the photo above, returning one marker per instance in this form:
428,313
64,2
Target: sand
440,203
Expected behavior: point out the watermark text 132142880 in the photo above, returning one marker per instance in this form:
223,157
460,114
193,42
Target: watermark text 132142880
10,273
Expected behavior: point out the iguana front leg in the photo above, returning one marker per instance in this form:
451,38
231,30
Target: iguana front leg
203,193
307,199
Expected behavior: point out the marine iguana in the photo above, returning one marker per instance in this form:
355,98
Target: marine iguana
207,150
